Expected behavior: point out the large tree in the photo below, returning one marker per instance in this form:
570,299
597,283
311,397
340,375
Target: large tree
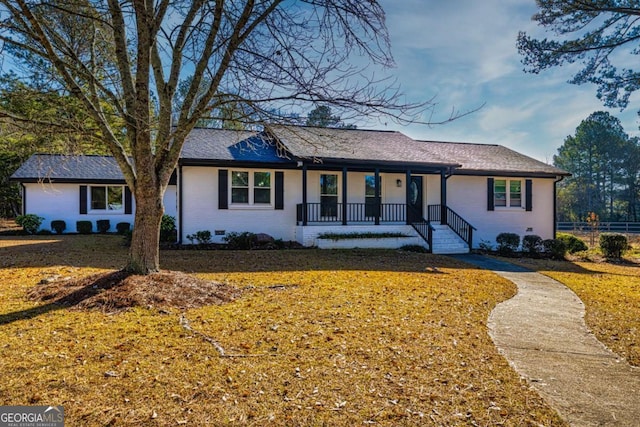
604,177
125,59
322,116
589,31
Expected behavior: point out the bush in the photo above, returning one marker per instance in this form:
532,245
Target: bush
532,244
203,237
485,246
555,248
84,227
613,245
414,248
168,232
507,243
30,223
240,241
103,225
573,243
58,226
44,232
123,227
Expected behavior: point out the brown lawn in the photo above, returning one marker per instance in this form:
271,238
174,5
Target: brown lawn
338,338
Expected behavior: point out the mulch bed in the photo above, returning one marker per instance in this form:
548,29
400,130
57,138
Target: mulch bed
120,290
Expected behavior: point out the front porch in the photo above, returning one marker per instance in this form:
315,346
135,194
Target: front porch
441,229
415,199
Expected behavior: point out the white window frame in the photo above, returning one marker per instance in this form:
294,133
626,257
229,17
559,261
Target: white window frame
508,194
251,189
106,195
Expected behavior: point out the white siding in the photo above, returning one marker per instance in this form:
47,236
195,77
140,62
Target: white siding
62,202
200,207
467,196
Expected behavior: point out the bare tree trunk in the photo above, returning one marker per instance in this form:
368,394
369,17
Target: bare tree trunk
144,253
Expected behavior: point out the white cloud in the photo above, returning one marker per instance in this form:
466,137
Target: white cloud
465,53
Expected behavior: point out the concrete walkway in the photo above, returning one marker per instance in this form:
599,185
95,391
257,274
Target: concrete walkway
541,332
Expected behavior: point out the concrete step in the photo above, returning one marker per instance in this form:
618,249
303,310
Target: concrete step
446,241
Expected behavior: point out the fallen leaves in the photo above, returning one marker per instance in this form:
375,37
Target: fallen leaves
352,337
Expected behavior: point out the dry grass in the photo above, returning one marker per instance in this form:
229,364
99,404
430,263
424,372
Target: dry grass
611,294
338,338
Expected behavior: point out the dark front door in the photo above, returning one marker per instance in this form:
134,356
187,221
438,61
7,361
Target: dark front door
414,202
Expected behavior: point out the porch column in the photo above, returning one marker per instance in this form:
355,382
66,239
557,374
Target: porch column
304,194
344,196
443,197
407,189
377,198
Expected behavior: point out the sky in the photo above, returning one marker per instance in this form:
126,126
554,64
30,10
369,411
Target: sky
464,53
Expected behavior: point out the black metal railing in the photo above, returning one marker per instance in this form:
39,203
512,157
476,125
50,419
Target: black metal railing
458,224
350,213
421,225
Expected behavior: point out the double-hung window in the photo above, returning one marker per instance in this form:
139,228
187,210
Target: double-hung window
107,198
507,193
250,188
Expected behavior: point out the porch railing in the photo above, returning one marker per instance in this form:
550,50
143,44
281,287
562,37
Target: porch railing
422,226
458,224
351,212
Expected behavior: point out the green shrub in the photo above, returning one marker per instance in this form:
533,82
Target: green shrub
414,248
203,237
103,225
485,247
613,245
58,226
532,244
30,223
44,232
573,243
367,235
168,232
84,227
508,243
241,241
123,227
555,248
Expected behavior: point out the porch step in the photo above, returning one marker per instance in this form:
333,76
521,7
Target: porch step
446,241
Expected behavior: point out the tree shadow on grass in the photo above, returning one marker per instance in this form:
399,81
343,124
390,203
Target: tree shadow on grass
91,286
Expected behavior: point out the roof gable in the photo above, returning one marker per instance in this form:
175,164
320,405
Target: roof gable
354,145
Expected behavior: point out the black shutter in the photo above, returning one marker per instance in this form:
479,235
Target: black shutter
528,189
127,200
223,189
83,199
279,190
490,201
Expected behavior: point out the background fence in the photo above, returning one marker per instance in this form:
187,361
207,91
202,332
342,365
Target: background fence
603,227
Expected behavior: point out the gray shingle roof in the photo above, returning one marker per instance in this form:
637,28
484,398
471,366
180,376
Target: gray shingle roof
223,144
296,142
61,167
355,145
490,158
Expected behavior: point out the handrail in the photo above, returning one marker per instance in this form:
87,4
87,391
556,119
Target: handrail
422,226
458,224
